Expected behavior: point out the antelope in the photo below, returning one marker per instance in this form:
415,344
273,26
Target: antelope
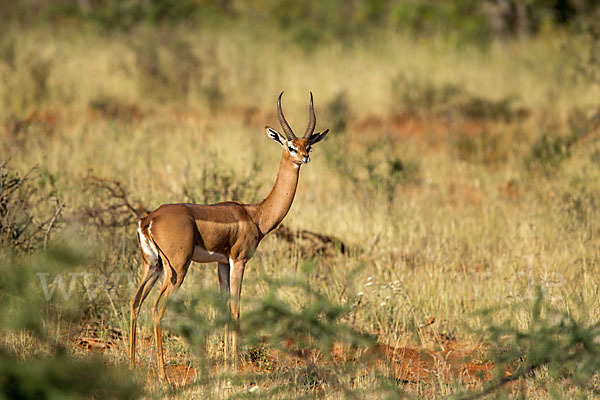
228,233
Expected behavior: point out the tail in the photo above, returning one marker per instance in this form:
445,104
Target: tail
150,252
151,249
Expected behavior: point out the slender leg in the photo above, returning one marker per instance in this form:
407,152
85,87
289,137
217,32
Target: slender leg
151,274
225,291
236,290
160,305
158,312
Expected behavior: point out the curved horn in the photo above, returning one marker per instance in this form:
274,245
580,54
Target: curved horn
286,127
312,120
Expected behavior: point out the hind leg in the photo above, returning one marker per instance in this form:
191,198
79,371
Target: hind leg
174,237
151,275
171,284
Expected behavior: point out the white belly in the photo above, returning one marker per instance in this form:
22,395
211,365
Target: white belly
204,256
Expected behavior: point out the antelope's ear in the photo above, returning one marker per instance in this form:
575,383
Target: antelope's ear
275,136
317,137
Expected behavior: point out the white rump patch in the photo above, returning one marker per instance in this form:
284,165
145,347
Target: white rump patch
148,247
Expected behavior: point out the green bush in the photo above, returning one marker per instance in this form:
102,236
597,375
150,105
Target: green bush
314,22
553,340
547,153
338,112
462,21
387,173
416,95
50,370
476,107
420,97
485,147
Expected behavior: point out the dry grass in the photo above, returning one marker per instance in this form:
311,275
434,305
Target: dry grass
472,225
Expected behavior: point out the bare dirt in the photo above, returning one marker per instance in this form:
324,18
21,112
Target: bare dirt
457,362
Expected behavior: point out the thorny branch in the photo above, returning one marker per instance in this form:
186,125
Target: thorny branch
19,225
111,204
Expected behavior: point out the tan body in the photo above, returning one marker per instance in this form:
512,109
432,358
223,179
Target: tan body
214,232
174,235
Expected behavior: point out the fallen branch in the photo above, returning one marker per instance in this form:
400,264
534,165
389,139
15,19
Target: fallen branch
318,242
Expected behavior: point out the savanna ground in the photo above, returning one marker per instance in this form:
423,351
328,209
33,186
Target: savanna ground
462,182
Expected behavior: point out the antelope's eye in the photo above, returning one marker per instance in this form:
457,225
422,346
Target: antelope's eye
291,149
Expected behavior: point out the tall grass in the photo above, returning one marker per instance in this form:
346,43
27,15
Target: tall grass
447,209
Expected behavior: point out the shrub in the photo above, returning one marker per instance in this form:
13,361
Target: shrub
20,226
461,21
113,108
476,107
216,184
548,151
338,112
553,340
51,371
485,147
166,66
418,96
385,171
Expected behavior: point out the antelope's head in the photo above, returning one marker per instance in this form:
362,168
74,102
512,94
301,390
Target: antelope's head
297,149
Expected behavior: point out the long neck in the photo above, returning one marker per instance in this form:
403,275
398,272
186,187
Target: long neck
272,210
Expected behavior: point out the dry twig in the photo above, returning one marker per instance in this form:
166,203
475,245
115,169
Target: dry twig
111,205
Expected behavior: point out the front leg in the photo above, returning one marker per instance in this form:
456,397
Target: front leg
237,275
224,274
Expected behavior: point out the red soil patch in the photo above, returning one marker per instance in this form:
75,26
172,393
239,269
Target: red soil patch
414,365
93,344
180,375
91,339
410,125
408,365
46,120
